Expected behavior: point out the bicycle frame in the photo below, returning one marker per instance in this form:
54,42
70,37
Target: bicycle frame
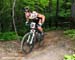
29,39
32,31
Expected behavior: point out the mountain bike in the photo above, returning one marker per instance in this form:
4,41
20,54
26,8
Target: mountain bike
29,39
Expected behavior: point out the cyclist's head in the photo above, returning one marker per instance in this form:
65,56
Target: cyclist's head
26,9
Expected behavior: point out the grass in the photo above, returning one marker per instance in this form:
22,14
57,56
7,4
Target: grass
8,36
70,33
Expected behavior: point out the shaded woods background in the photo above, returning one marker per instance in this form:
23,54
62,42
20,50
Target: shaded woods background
59,13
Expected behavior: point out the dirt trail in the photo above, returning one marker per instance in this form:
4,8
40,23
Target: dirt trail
54,48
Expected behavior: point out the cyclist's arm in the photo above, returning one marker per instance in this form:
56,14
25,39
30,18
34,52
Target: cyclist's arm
27,18
42,16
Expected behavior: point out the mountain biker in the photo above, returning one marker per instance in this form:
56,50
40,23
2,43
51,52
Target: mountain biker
37,17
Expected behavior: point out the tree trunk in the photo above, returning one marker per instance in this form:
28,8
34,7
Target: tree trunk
57,13
65,5
0,26
13,17
57,8
73,9
73,13
50,6
49,11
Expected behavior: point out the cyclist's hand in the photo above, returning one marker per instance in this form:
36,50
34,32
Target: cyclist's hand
26,23
40,24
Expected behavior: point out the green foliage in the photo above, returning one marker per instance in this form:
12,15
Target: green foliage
8,36
52,28
69,57
65,8
43,3
70,33
42,6
49,29
53,7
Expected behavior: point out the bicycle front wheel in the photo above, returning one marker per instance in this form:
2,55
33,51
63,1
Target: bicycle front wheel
25,46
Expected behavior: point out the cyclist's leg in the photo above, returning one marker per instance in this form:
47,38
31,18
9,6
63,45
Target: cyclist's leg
39,26
40,29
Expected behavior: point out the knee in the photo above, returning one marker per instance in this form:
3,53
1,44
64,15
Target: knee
39,27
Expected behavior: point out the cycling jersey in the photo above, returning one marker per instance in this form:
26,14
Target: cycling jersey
33,15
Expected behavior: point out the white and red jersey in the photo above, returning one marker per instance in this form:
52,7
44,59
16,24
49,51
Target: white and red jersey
33,15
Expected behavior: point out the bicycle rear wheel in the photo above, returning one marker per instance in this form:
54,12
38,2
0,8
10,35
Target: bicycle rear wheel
26,47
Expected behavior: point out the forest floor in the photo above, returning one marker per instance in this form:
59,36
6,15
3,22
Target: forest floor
56,45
